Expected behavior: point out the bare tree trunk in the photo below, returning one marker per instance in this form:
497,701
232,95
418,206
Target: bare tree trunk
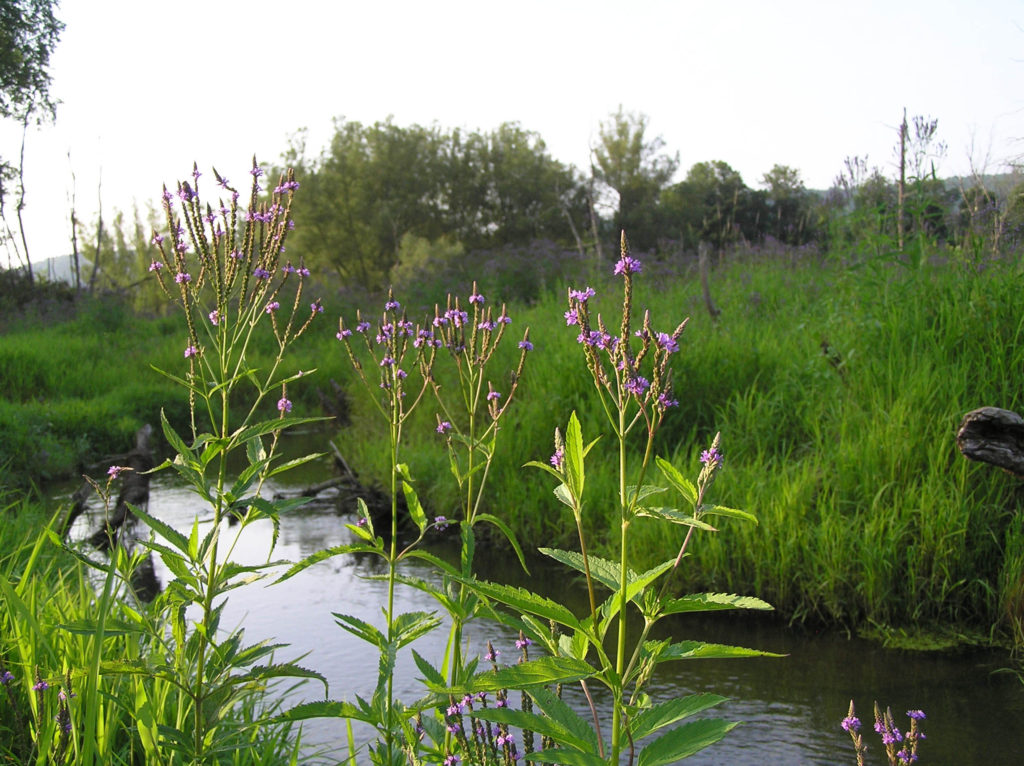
74,231
703,250
21,202
99,237
901,186
575,232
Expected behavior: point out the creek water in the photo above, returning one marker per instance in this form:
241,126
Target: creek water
790,706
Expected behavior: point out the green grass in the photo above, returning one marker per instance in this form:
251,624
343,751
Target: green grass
868,514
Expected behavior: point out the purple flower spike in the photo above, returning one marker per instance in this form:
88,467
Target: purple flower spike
260,273
526,345
667,342
476,298
710,456
917,715
41,686
182,277
523,642
272,307
628,265
155,266
851,723
191,351
558,458
6,677
284,405
582,295
443,427
571,317
441,523
346,333
115,470
493,396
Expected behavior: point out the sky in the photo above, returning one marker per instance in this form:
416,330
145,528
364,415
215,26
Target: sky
148,88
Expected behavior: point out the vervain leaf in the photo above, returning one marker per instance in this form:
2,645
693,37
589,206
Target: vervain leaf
564,494
581,732
361,629
675,517
509,534
708,602
409,626
645,491
539,724
684,741
523,600
544,670
683,485
720,510
176,442
325,709
166,531
691,650
295,463
567,757
411,498
430,673
337,550
544,467
573,457
659,716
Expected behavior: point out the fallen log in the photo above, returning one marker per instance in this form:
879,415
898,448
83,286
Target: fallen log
995,436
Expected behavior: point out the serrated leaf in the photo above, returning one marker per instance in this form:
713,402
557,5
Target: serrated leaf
683,485
430,674
337,550
564,495
692,650
296,463
543,670
675,516
709,602
539,724
176,442
166,531
721,510
361,629
684,741
409,626
547,467
554,707
523,600
573,456
509,535
650,720
566,757
645,491
412,500
325,709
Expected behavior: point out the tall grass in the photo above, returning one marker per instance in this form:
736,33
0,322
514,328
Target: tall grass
838,390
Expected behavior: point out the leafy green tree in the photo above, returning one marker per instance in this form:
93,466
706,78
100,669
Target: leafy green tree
29,32
711,205
788,204
635,170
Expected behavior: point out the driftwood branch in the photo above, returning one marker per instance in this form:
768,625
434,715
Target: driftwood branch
993,435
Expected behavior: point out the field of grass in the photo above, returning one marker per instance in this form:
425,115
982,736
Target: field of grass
838,389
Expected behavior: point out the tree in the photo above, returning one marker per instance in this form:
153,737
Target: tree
633,167
788,205
29,32
711,205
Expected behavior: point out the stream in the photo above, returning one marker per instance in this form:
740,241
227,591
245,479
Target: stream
790,707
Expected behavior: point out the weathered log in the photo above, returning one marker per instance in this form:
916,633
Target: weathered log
134,490
993,435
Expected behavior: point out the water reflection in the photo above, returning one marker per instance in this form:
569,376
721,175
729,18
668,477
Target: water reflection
791,707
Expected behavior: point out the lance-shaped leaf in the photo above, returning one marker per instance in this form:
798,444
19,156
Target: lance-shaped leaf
409,626
509,535
692,650
326,709
560,722
721,510
412,500
683,485
684,741
567,757
675,516
709,602
323,555
573,456
657,717
361,629
543,670
523,600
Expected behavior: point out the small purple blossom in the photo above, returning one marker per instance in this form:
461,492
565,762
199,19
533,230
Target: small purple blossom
316,307
191,351
256,172
523,642
284,405
40,686
236,255
441,523
851,723
558,459
582,295
182,277
155,266
492,653
665,401
361,521
303,271
628,265
157,239
272,307
493,396
451,759
638,385
917,715
387,361
709,456
667,342
6,677
362,327
115,471
476,298
443,427
346,333
260,273
571,317
214,317
392,305
526,345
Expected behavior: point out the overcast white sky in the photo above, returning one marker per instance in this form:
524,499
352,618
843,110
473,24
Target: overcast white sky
148,87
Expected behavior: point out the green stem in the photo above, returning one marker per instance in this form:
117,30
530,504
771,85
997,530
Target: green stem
620,651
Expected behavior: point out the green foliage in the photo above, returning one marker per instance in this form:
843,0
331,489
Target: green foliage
375,186
29,32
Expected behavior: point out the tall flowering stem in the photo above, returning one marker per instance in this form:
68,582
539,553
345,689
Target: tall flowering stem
393,347
223,265
471,334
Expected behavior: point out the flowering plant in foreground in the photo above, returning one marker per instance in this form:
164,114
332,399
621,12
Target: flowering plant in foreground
900,747
631,373
223,266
